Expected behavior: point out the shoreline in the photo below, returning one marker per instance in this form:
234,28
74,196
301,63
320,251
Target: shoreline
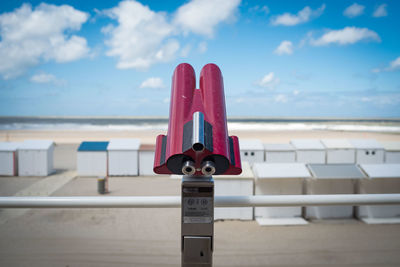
230,118
149,136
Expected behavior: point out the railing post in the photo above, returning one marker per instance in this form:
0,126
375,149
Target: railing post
197,221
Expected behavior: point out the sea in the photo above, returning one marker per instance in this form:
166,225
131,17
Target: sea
390,125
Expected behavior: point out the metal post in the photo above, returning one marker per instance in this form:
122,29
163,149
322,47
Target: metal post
197,222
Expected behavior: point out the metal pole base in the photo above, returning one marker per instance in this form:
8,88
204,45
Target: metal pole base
197,222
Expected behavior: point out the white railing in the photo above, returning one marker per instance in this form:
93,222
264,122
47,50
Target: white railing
220,201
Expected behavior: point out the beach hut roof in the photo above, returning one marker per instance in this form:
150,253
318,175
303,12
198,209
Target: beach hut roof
366,144
250,144
280,170
307,144
123,144
9,146
381,170
35,145
147,147
93,146
391,145
337,143
335,171
247,173
278,147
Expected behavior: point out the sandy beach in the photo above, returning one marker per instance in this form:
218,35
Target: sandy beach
150,237
149,136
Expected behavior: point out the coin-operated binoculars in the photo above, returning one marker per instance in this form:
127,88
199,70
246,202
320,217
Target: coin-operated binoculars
197,146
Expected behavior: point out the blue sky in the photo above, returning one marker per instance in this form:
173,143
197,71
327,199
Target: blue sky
278,58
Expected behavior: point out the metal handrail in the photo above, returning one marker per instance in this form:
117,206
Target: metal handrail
220,201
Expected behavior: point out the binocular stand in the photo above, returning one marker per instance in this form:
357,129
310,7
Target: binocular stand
197,221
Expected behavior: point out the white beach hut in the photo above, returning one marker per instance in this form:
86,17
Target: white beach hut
339,151
279,153
309,150
368,151
332,179
92,159
35,158
123,157
146,160
279,179
392,151
251,150
8,158
235,185
383,179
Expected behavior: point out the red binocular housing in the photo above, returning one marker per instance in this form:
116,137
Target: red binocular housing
197,142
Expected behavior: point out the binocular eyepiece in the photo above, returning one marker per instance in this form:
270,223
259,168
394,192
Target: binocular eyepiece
207,167
188,167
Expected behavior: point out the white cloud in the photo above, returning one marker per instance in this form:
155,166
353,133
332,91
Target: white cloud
376,70
296,92
354,10
345,36
269,81
75,48
141,37
281,98
202,16
380,11
185,51
46,78
285,48
43,78
366,99
302,16
382,99
393,66
202,47
265,9
152,82
257,8
44,33
144,37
